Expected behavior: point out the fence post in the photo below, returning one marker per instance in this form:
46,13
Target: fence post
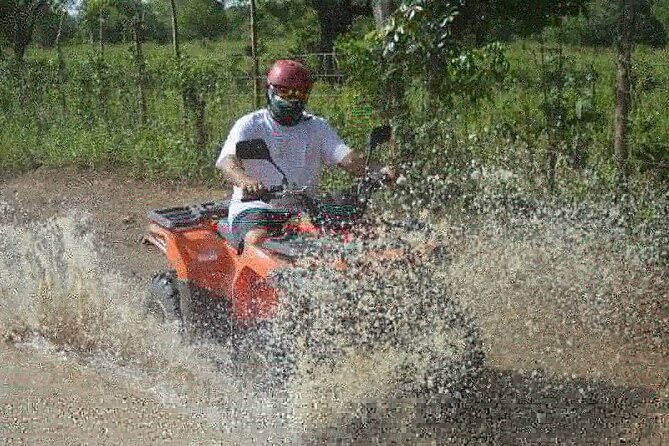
254,55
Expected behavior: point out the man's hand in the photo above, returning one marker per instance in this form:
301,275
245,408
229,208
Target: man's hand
251,187
354,164
389,174
234,173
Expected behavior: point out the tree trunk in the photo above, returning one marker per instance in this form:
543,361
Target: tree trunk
175,30
555,115
383,9
140,62
254,56
177,56
334,18
61,61
24,25
59,33
624,45
100,33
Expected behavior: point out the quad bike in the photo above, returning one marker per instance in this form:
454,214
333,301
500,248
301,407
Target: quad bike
332,286
208,258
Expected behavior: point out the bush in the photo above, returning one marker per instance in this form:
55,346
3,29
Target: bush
598,26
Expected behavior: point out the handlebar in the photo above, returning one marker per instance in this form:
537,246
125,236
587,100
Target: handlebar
276,192
363,190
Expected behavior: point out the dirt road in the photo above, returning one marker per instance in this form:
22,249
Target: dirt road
552,376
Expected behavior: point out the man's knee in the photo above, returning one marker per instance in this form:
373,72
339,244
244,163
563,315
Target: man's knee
257,224
256,236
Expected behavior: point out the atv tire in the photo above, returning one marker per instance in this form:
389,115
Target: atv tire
163,301
200,315
169,301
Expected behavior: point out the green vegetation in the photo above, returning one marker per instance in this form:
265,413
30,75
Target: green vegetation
460,105
91,118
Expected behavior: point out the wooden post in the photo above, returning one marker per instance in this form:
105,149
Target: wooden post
139,61
624,46
175,29
61,61
177,56
254,56
382,10
100,33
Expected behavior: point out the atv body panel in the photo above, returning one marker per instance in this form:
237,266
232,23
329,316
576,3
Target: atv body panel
207,262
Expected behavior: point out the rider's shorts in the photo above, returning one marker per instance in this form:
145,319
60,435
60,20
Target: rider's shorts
272,220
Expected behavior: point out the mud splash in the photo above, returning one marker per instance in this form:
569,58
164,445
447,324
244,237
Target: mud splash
563,295
380,331
56,293
563,272
53,285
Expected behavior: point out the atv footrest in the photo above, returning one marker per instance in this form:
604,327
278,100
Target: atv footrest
189,216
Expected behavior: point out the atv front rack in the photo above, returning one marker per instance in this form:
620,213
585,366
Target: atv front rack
189,216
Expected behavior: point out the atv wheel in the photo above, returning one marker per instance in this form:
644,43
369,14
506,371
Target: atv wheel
199,314
163,299
190,326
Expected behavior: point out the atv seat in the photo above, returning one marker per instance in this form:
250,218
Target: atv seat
274,244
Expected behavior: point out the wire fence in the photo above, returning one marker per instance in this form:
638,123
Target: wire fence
324,67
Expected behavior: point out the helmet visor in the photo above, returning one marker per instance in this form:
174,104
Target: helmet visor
291,94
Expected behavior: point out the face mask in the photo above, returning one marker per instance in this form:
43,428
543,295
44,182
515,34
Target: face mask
287,113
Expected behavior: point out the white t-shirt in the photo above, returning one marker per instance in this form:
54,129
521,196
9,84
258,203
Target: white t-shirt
299,151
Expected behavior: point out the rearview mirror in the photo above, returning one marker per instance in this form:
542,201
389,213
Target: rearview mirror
256,149
379,135
252,149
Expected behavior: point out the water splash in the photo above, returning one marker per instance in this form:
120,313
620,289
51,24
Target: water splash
380,330
54,287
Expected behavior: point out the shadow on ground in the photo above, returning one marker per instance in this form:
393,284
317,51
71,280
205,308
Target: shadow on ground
512,408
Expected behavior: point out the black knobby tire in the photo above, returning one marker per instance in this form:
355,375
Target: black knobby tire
171,300
163,301
199,315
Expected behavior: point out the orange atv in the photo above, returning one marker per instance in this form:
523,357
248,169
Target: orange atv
215,281
329,288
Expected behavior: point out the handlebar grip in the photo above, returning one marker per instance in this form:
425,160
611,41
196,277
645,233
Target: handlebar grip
262,196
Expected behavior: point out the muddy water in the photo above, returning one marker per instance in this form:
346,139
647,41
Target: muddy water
49,397
62,310
570,357
61,303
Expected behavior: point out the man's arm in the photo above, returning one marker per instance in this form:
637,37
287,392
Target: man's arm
354,165
233,171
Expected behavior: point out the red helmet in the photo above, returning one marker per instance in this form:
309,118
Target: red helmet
290,74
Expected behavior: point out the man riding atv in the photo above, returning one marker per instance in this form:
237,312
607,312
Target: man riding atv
298,143
334,296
